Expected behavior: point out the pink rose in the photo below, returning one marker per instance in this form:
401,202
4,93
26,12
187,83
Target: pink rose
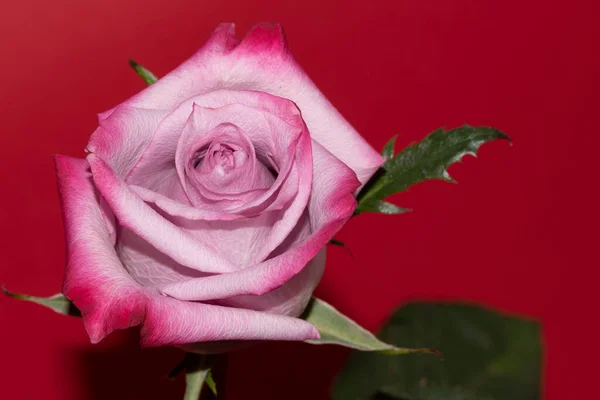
203,208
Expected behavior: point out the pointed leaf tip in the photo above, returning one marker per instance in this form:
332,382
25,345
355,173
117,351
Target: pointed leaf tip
388,149
58,302
336,328
142,72
210,382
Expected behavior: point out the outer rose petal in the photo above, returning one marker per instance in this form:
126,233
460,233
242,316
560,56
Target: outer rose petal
95,279
199,74
289,299
330,205
110,299
174,322
262,62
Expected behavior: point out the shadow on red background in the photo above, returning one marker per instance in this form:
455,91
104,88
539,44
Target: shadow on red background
516,234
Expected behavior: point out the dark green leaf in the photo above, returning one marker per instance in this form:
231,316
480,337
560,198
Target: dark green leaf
487,356
146,75
388,149
425,160
58,302
336,328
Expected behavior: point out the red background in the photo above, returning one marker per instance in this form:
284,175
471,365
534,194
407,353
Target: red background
516,233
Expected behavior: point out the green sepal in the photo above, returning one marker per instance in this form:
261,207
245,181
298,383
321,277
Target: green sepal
335,328
143,73
58,302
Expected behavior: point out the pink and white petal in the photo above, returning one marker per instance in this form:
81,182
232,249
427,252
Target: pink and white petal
248,242
157,159
206,128
147,265
179,209
281,107
263,62
330,205
173,322
256,280
201,73
204,113
278,113
133,213
290,298
95,280
332,181
110,299
122,138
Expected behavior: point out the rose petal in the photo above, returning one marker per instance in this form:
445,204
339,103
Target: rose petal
249,241
173,322
122,138
229,167
198,74
147,265
290,298
178,209
279,114
136,215
95,279
263,58
243,125
110,299
262,62
330,205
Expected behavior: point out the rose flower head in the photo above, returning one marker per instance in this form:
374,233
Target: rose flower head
204,206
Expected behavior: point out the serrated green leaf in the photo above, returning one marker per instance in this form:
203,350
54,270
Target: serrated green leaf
487,356
197,375
428,159
143,73
388,149
58,302
335,328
